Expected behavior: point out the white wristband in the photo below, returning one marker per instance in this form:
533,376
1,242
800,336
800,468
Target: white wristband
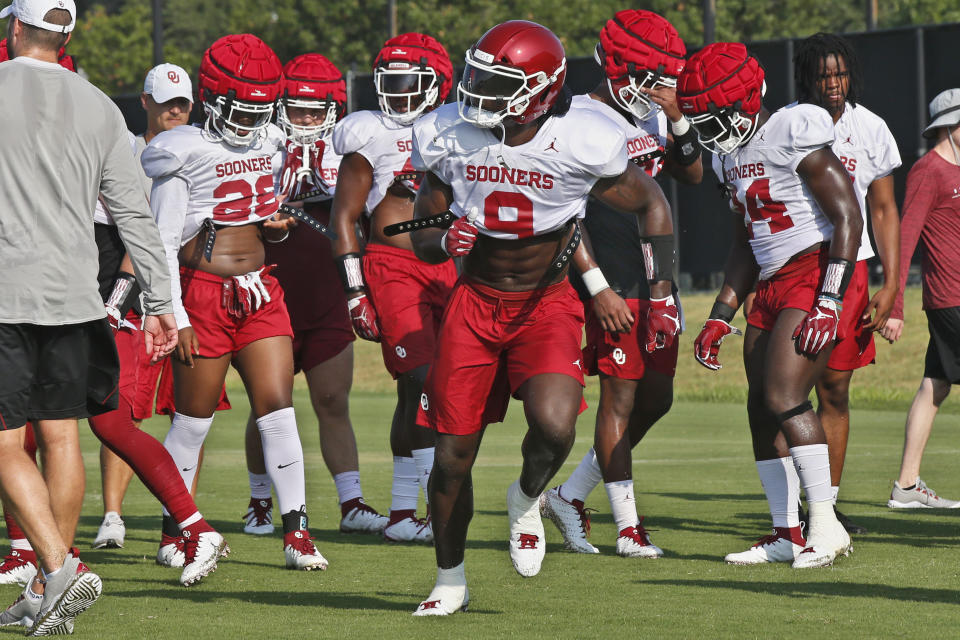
680,127
594,281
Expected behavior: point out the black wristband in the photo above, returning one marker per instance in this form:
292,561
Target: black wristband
722,311
658,257
686,147
837,278
125,293
351,272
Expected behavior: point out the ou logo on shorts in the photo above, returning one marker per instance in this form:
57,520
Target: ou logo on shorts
401,352
424,402
619,356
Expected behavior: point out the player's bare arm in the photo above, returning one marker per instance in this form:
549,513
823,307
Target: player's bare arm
683,161
885,220
354,183
611,309
433,197
830,186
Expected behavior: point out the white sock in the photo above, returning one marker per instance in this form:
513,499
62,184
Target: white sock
516,495
260,485
834,492
423,458
583,479
454,576
406,486
623,504
782,486
283,457
348,486
21,543
183,442
813,466
196,517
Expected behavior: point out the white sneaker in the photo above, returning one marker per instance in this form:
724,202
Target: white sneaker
18,567
300,552
825,542
444,600
571,519
171,551
919,497
634,542
200,556
259,517
363,519
409,529
776,547
527,546
111,533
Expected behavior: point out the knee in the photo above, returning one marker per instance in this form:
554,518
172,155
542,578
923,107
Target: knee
779,401
554,426
834,394
329,403
190,430
940,390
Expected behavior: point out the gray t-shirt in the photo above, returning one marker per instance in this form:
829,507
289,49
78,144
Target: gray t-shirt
62,141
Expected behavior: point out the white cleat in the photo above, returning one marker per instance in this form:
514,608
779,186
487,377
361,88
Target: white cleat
111,532
776,547
634,542
300,552
18,567
409,529
363,519
171,552
824,544
200,556
527,545
571,519
444,600
259,517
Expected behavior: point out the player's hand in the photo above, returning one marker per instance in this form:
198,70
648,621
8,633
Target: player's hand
707,345
187,346
364,318
666,97
892,329
159,336
819,328
612,312
459,239
881,304
663,323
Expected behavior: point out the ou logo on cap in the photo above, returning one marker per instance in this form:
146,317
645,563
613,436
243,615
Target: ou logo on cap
173,76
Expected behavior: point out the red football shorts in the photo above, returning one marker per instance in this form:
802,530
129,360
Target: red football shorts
166,404
315,346
409,296
138,377
208,300
856,349
796,286
624,355
490,343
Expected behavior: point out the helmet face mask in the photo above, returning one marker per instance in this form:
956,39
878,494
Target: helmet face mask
629,95
489,93
292,111
723,131
405,91
237,122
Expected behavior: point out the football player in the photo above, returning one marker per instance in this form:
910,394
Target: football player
642,55
512,162
214,199
394,298
313,99
827,74
797,228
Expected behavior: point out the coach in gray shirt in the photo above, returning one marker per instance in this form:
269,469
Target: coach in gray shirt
63,142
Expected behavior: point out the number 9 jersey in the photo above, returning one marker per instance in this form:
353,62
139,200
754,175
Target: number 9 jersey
526,190
780,213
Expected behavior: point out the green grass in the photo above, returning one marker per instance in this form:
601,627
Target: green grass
695,482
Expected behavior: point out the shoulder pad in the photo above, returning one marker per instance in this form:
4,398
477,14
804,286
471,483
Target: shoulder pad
604,151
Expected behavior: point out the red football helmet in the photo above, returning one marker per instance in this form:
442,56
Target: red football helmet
721,92
412,74
639,49
240,80
311,81
66,60
515,70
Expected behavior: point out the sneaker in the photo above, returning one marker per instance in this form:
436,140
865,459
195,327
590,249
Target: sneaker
300,552
171,552
66,595
201,551
783,545
358,517
919,497
571,518
824,544
111,533
18,567
81,567
634,542
527,546
444,601
851,527
23,611
409,529
259,518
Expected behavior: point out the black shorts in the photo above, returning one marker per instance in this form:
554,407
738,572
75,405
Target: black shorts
56,372
943,350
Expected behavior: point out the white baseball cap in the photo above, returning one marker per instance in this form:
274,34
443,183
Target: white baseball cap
944,111
32,12
168,81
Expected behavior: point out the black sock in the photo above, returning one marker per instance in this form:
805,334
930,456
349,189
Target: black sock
294,521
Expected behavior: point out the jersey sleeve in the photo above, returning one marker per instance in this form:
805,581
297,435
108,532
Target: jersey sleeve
806,128
159,159
602,153
168,199
888,155
428,151
354,133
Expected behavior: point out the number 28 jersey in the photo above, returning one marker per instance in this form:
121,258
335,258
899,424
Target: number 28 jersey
526,190
779,211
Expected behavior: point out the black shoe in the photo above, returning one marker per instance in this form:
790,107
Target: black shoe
849,526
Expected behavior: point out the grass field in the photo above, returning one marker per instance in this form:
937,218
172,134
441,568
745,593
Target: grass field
695,482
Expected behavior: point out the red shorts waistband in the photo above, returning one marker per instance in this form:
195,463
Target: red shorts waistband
390,251
516,298
187,273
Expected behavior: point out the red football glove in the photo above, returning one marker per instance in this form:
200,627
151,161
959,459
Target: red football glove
459,239
364,318
663,323
819,328
707,345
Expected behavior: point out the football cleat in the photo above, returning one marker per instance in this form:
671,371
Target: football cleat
409,529
201,551
783,545
259,517
527,546
444,600
571,518
23,611
849,525
634,542
18,567
111,532
824,544
67,594
919,497
300,552
358,517
171,552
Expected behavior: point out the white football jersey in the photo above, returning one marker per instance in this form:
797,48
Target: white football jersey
232,185
101,215
780,213
385,144
645,138
526,190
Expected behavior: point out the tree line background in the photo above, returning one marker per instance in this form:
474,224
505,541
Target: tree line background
113,38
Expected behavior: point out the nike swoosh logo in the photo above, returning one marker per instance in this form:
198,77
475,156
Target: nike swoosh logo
189,468
284,466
